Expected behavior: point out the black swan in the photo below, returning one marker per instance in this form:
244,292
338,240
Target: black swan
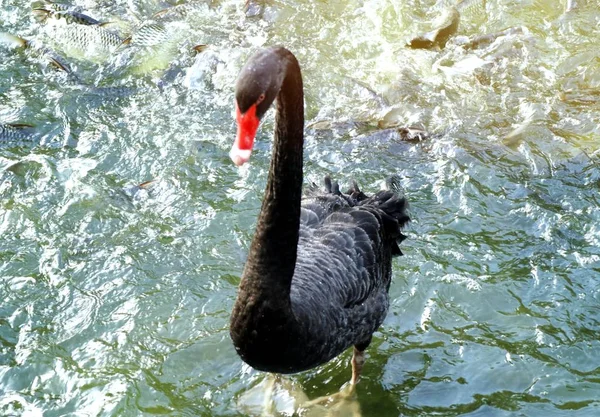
319,268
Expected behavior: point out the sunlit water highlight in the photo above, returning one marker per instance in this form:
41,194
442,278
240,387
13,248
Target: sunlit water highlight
116,298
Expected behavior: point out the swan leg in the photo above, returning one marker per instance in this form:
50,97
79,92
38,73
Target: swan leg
358,360
345,397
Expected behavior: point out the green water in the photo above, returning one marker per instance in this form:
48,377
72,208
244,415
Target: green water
116,300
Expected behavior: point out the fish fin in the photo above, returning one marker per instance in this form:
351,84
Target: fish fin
104,24
59,65
13,41
146,184
160,13
125,42
20,125
200,48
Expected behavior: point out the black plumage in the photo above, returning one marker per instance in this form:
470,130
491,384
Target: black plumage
319,268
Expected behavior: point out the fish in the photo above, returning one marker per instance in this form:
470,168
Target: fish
91,42
107,93
485,40
155,44
437,38
78,35
70,17
472,10
54,59
16,134
58,7
447,25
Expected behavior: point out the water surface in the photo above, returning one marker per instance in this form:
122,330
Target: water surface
116,298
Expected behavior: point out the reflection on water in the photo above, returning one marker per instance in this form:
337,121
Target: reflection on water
117,296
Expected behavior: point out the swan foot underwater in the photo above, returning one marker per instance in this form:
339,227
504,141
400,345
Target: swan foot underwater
277,395
319,268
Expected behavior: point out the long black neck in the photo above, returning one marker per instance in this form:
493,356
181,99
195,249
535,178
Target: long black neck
272,256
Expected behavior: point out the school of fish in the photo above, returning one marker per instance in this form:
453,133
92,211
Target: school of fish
66,33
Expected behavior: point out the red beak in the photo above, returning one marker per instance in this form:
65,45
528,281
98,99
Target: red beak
247,125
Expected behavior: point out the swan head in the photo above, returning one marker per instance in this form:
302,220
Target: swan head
257,87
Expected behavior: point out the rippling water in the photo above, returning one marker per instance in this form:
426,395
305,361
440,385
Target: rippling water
116,298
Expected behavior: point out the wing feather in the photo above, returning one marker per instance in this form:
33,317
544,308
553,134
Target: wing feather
343,265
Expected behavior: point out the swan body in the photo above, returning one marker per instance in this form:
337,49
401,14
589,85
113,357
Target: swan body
319,268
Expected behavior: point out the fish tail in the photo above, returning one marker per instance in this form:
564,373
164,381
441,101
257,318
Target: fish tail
41,14
13,41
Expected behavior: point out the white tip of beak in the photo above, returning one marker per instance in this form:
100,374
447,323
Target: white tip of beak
239,156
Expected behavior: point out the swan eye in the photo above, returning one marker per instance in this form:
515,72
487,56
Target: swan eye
260,98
